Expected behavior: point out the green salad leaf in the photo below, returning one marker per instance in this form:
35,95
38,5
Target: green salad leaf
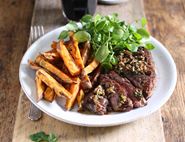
82,36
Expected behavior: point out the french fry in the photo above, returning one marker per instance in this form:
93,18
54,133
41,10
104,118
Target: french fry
51,55
85,81
53,84
49,94
48,66
54,45
91,67
79,98
85,52
40,88
74,89
68,60
33,65
72,46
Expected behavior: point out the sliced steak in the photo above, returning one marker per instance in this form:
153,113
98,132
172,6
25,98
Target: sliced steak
116,94
135,94
139,69
96,101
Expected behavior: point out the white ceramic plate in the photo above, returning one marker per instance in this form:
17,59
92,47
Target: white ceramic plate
111,1
166,80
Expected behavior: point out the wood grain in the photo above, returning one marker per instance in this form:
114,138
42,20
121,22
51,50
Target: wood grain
166,20
136,131
15,18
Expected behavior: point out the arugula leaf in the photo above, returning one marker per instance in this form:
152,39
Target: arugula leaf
149,46
42,136
102,53
82,36
143,33
63,35
143,22
72,26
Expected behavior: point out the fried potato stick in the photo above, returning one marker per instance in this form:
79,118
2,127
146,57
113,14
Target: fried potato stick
33,65
68,60
49,94
79,98
85,52
72,47
51,55
91,67
48,66
74,89
40,88
53,84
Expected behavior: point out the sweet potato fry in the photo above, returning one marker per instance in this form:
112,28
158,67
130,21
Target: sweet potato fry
46,65
51,55
72,46
85,52
74,89
52,83
54,45
85,81
68,60
91,67
79,98
49,94
33,65
40,88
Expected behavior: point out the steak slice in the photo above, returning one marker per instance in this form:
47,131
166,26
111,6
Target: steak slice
96,101
132,92
116,94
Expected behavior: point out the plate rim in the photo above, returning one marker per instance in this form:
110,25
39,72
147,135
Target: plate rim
161,102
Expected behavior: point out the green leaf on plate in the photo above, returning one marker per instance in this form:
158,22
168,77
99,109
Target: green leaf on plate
143,32
82,36
63,35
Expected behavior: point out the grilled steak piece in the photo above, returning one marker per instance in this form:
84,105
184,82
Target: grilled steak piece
135,94
139,69
116,94
96,101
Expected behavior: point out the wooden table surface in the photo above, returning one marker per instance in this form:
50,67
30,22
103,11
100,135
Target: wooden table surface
166,20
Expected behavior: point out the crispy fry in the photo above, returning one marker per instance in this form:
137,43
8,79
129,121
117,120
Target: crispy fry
74,89
33,65
80,97
85,52
92,66
46,65
68,60
52,83
51,55
49,94
40,88
54,45
85,81
72,47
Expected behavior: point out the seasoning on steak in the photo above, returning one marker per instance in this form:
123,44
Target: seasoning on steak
96,101
138,68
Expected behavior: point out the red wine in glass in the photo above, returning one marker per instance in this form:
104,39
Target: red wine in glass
76,9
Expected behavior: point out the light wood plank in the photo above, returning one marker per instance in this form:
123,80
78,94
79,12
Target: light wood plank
148,129
166,22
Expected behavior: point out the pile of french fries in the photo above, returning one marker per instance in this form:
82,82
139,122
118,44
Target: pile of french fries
62,71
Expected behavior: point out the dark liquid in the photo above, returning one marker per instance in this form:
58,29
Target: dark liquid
76,9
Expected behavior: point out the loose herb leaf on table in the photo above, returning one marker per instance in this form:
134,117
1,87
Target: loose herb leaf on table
43,137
